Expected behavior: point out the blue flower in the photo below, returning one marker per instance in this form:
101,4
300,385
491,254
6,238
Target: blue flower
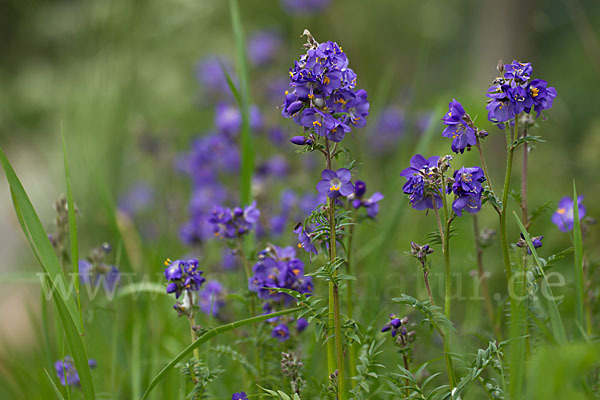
467,188
457,128
336,184
66,372
422,190
281,332
564,217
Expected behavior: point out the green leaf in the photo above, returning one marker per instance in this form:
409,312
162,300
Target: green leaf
558,329
65,304
207,336
527,139
578,267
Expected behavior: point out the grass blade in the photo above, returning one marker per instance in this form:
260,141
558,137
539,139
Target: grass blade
72,227
556,323
57,391
209,335
55,278
247,146
578,267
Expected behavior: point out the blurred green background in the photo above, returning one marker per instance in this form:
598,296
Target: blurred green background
119,78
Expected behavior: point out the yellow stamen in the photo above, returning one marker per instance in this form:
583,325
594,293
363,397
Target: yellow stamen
286,92
326,80
168,261
535,92
316,123
334,188
299,245
311,96
296,271
561,211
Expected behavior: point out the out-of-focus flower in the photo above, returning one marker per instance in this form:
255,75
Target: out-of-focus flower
66,371
279,268
564,216
139,197
263,47
281,332
209,73
389,130
239,396
211,298
304,7
301,324
96,274
230,224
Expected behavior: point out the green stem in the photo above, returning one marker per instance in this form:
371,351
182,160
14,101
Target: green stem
193,336
516,350
334,300
445,234
350,301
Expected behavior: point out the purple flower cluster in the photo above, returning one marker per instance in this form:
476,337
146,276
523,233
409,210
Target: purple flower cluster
279,268
466,186
239,396
396,325
514,93
229,224
183,276
370,204
564,217
66,371
459,127
422,185
322,98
